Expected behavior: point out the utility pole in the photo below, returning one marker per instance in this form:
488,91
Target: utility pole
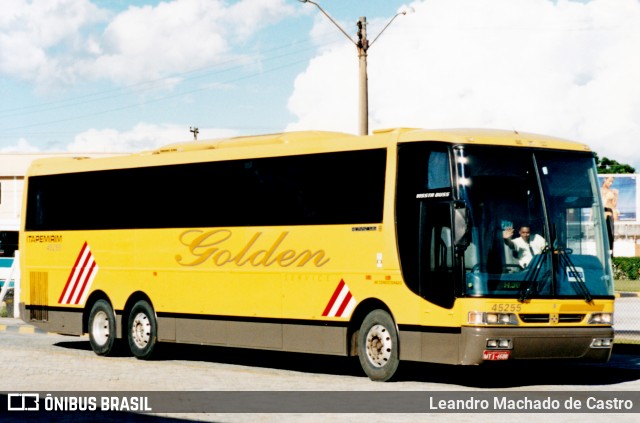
362,46
195,132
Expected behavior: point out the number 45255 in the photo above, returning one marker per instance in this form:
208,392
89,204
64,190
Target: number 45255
506,308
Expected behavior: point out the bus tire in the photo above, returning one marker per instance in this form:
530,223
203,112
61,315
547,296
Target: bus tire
378,346
143,330
102,328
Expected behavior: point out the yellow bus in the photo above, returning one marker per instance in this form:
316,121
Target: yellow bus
401,245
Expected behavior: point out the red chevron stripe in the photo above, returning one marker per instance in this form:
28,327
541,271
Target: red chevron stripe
73,272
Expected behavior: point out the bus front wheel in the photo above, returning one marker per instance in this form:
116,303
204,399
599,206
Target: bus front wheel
102,328
378,346
143,330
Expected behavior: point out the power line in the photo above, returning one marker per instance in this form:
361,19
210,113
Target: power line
159,99
151,85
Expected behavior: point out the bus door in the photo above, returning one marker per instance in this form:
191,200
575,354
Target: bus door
436,253
424,204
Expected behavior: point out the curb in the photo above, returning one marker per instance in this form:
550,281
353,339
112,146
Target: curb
18,326
627,294
21,329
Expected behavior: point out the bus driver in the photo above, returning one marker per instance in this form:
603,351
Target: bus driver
525,246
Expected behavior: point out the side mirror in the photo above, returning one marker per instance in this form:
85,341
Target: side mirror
460,225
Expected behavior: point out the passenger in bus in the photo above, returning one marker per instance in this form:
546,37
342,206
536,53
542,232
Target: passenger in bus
525,246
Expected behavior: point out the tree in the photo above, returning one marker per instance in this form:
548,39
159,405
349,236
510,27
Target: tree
611,166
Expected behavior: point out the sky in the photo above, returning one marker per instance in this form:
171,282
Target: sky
118,76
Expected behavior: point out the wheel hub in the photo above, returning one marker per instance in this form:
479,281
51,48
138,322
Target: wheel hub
101,328
379,346
141,330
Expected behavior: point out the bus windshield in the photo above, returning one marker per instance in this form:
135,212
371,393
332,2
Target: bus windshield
537,224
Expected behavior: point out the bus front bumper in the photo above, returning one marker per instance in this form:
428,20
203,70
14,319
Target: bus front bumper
480,344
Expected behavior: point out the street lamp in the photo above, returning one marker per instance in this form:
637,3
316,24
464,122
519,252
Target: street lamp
363,45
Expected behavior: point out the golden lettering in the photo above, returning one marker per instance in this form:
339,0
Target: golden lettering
307,277
222,257
267,254
286,258
307,255
211,246
199,247
238,258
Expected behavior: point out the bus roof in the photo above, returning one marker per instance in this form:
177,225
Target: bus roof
488,137
289,143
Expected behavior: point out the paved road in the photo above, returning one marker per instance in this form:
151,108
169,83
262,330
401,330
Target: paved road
627,317
35,361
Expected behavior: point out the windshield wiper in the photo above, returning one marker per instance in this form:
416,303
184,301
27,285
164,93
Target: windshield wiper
567,264
530,282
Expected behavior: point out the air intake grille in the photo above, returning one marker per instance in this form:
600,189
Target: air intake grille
546,318
535,318
39,283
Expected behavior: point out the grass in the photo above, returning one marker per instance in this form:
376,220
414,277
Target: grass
627,285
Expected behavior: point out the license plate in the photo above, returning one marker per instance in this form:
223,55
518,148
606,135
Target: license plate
496,355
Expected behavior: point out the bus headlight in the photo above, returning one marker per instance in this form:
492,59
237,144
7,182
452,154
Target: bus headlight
484,318
601,319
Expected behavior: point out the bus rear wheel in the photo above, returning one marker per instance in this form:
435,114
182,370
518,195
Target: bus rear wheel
102,328
378,346
143,330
